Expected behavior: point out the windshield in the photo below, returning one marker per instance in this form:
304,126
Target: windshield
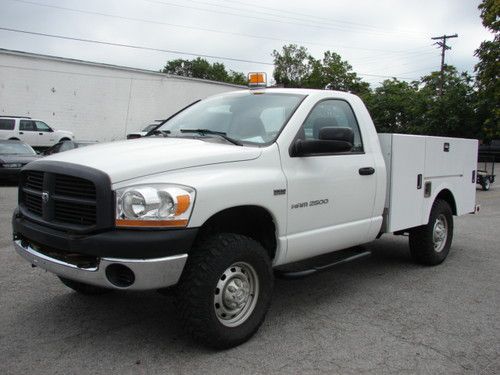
16,148
250,117
149,127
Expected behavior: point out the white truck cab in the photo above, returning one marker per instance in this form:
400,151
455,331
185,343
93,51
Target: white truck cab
231,188
34,132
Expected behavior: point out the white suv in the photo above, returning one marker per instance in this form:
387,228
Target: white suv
34,132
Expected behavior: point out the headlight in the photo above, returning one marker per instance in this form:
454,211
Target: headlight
12,165
154,205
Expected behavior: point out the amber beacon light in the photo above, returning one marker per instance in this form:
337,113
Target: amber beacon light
257,79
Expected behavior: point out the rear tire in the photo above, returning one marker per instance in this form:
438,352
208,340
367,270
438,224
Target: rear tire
430,244
486,184
225,290
86,289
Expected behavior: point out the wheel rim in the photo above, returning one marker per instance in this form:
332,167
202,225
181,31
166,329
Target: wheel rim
440,233
236,294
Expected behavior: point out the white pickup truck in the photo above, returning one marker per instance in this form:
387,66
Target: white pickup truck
231,188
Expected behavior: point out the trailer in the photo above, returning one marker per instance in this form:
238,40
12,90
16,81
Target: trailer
484,177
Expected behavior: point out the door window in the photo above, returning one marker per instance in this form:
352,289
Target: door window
332,113
42,127
27,125
7,124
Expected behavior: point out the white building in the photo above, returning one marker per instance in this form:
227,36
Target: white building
95,101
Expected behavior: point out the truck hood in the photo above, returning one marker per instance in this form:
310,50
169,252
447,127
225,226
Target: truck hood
134,158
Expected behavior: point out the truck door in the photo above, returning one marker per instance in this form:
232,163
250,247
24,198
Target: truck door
28,132
330,196
45,134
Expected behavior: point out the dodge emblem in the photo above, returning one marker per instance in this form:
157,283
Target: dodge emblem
45,197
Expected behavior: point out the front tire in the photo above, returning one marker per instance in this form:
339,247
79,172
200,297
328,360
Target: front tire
225,290
430,243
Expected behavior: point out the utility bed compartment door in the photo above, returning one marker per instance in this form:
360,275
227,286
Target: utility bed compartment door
405,163
414,162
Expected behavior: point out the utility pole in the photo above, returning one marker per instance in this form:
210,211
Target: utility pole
444,47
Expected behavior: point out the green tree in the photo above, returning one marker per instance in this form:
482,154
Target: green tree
487,70
201,68
295,67
394,106
338,75
454,113
292,66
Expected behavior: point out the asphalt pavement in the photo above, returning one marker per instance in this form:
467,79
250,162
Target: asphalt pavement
379,315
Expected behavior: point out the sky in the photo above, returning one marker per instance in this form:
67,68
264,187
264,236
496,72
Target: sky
380,39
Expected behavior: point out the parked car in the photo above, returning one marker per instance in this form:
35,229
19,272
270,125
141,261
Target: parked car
490,151
144,131
34,132
66,146
13,156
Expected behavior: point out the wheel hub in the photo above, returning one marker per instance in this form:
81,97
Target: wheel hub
236,294
440,233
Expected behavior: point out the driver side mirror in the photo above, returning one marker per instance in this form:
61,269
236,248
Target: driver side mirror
331,140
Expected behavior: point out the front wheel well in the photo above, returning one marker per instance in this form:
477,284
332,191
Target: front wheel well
64,139
448,197
252,221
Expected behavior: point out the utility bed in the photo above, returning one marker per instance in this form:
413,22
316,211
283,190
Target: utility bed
418,167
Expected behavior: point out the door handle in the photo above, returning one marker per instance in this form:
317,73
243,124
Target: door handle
21,132
366,171
40,133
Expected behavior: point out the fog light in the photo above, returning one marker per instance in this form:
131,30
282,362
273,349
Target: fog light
120,275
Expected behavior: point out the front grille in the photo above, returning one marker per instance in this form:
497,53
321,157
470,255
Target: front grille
34,180
34,203
67,201
74,213
74,187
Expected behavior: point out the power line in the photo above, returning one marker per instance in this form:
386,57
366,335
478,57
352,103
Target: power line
412,55
384,76
419,70
315,25
134,46
149,21
420,59
163,50
314,19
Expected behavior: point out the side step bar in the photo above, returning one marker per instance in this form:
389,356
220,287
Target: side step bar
288,271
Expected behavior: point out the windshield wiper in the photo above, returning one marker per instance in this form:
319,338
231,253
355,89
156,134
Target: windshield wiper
203,132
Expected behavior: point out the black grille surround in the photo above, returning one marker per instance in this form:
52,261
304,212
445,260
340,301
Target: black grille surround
66,196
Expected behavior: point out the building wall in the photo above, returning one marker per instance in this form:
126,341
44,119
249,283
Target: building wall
95,101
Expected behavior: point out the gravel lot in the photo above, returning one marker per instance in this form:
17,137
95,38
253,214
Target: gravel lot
381,314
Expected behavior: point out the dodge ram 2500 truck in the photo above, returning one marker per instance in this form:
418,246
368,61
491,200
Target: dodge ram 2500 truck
229,190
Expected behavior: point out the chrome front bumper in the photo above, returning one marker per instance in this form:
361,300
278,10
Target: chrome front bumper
148,273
